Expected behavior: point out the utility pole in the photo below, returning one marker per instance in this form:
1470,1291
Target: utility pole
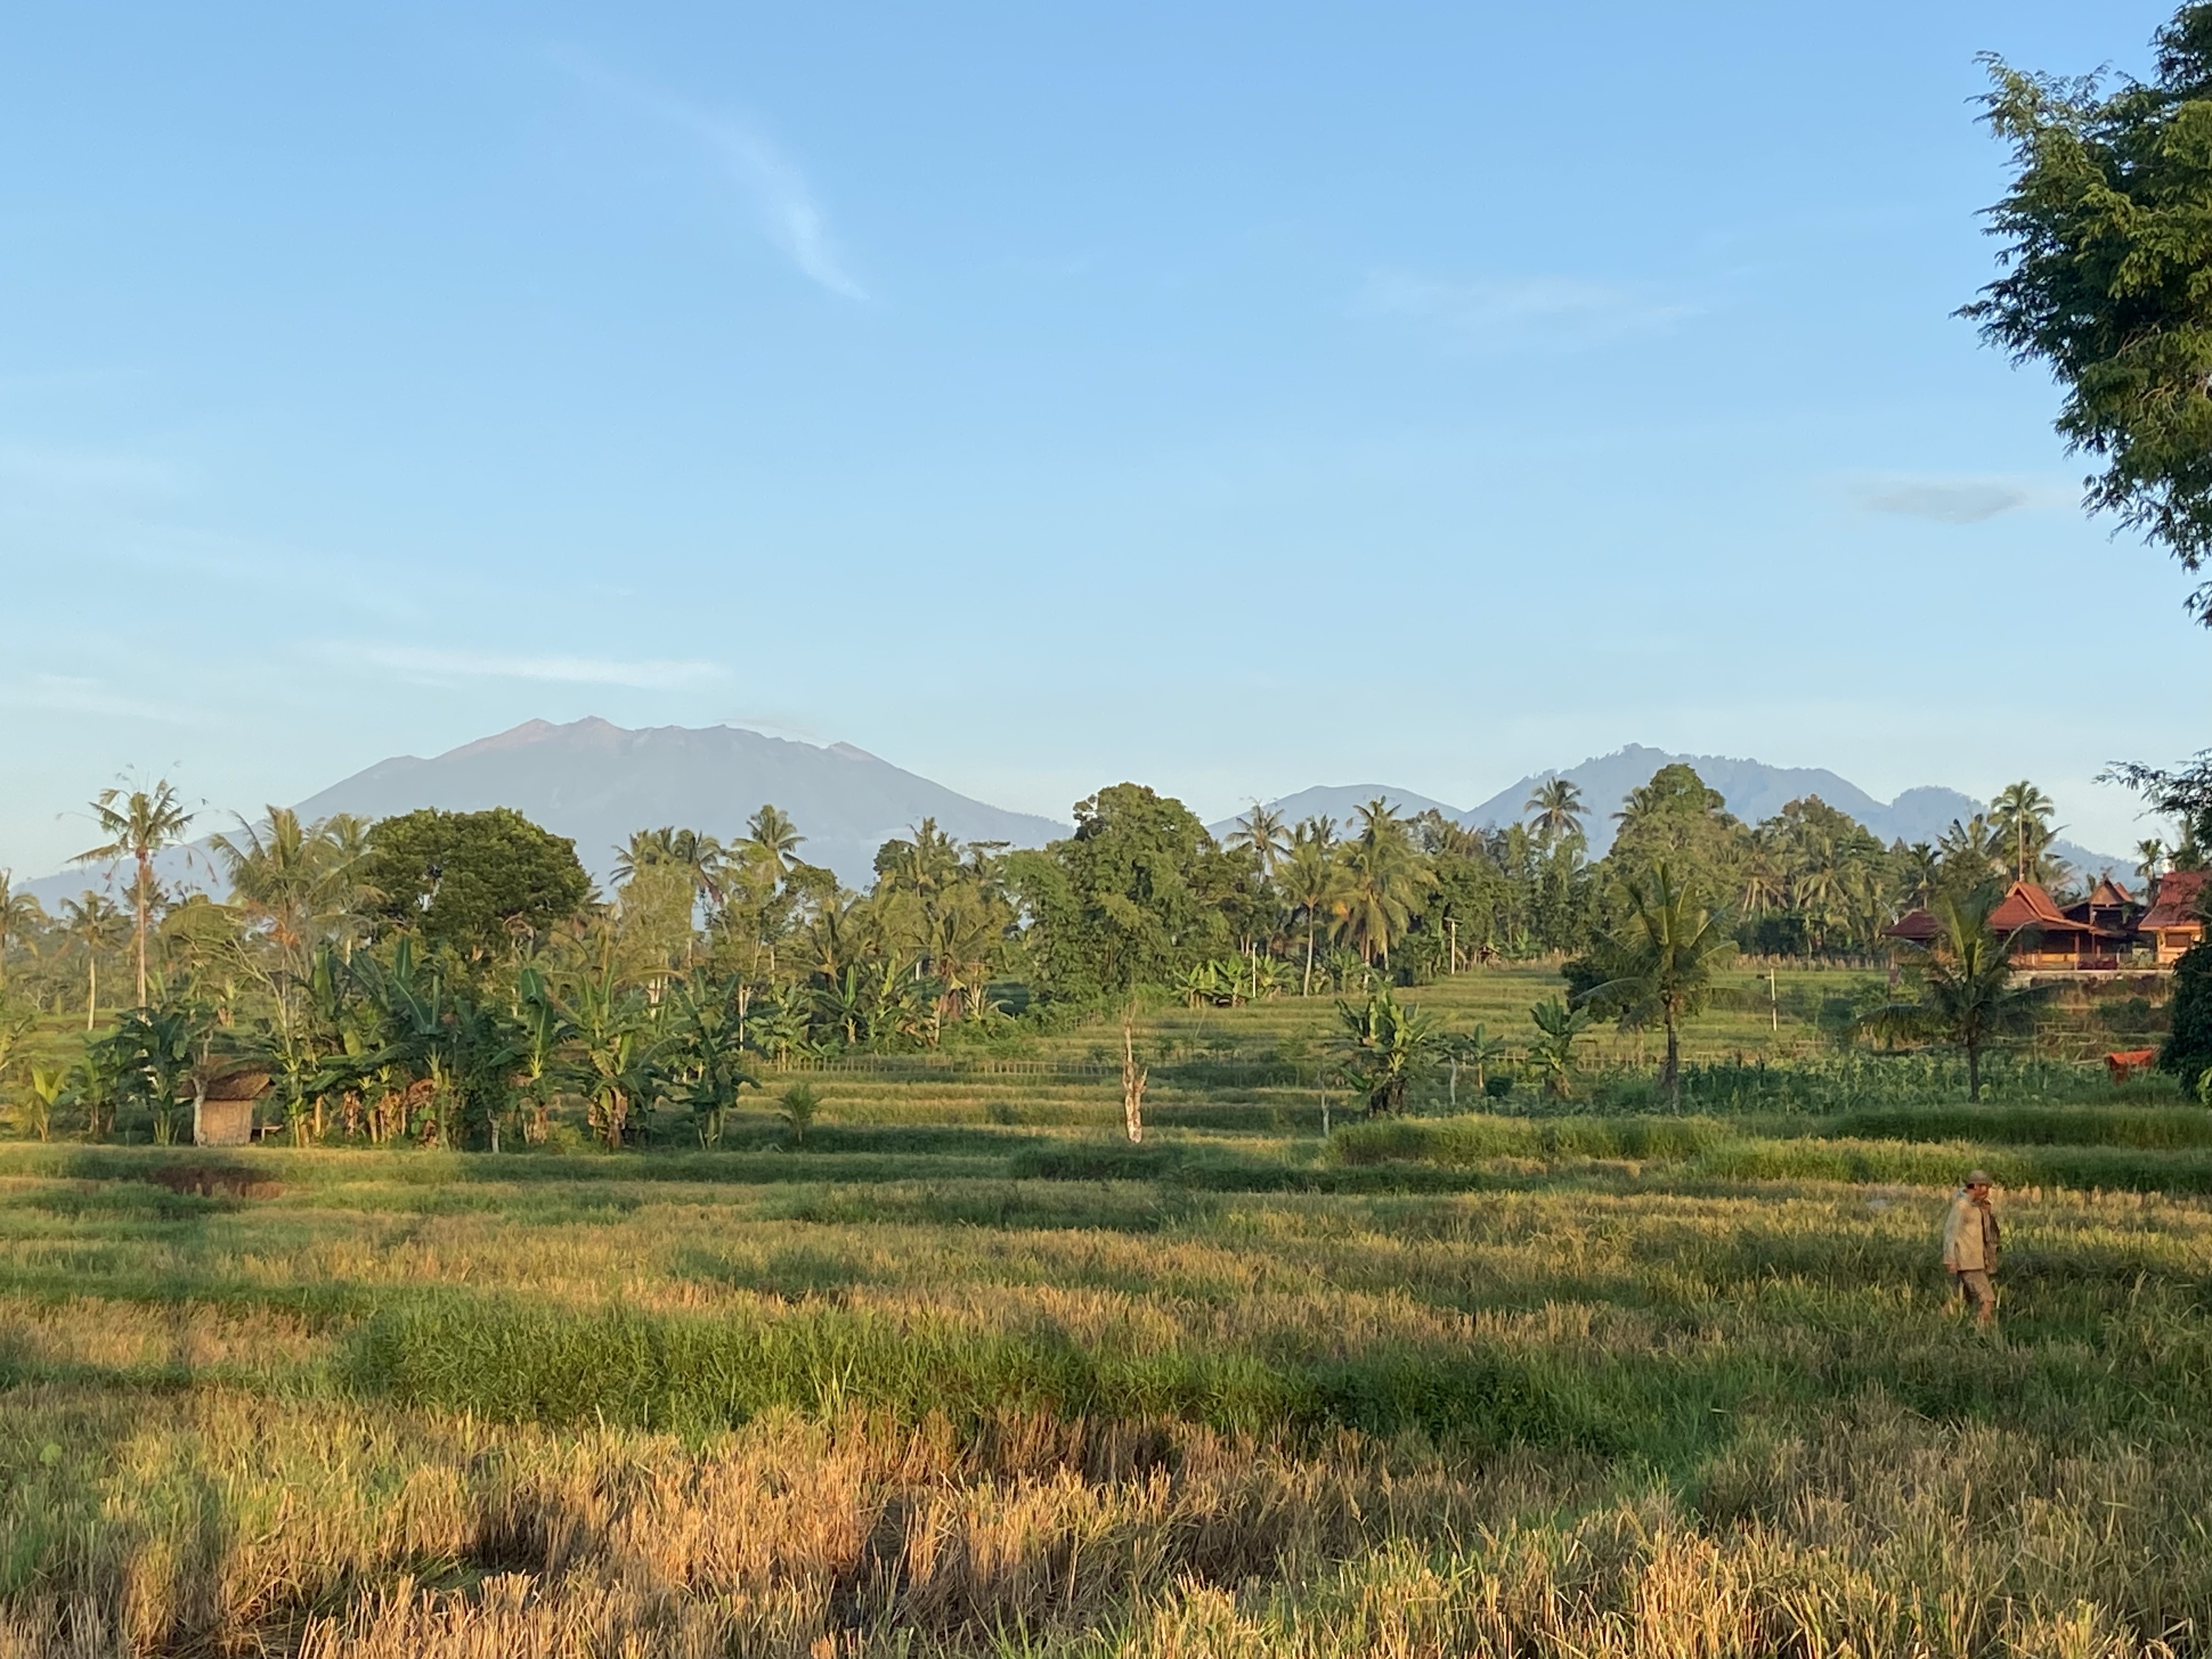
1773,1002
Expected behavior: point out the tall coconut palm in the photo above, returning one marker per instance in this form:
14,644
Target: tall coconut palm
20,917
1661,965
1385,877
1261,833
1921,871
2150,861
772,839
2021,817
1765,879
1313,882
93,923
1554,810
287,877
1972,851
139,824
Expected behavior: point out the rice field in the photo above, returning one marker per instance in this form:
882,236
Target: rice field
964,1372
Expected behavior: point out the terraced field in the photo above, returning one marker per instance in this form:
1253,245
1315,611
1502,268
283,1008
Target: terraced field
966,1372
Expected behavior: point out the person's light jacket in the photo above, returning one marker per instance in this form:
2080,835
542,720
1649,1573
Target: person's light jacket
1970,1237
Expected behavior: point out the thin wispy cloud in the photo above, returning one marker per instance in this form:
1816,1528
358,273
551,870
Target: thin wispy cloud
70,694
1943,500
1547,313
783,202
428,662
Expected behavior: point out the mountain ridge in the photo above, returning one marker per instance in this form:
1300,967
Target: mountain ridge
1753,790
596,783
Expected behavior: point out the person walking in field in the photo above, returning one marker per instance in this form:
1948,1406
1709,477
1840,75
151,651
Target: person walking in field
1970,1246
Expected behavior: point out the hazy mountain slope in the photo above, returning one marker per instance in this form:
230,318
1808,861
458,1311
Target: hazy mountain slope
596,783
1340,801
1752,789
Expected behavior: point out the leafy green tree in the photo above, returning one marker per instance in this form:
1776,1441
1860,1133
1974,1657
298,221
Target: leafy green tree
2188,1049
2108,233
465,879
139,824
1678,820
2183,793
1129,899
1383,1049
1967,996
1661,965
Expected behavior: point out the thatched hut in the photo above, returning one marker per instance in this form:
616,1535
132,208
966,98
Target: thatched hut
222,1109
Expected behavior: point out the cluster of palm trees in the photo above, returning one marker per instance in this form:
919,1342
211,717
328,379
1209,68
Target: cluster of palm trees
1358,892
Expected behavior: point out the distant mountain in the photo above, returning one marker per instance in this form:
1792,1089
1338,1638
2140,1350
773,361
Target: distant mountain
1340,802
596,782
1752,789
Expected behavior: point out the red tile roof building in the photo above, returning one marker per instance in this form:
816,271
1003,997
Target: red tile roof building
2175,920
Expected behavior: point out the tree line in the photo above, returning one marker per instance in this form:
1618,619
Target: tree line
449,976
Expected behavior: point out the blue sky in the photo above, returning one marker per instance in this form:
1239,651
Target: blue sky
1232,398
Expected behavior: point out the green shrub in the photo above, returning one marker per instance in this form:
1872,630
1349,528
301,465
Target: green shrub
2188,1050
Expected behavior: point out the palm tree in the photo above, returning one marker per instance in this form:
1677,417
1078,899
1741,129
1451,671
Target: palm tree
1972,851
21,916
1554,810
1765,883
96,925
2021,817
1921,872
1662,965
772,839
1261,832
1313,881
1385,877
290,878
138,824
1966,995
2150,860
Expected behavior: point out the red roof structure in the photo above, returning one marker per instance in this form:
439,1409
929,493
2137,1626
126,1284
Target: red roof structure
2026,905
2175,902
1914,927
2175,921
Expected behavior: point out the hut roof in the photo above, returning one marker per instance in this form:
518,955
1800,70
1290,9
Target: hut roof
1915,927
2175,903
2108,894
236,1086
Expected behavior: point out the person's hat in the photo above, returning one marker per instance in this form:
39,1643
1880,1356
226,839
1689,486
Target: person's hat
1977,1177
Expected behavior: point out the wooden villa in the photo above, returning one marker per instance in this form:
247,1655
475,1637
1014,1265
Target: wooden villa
2108,929
2175,920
